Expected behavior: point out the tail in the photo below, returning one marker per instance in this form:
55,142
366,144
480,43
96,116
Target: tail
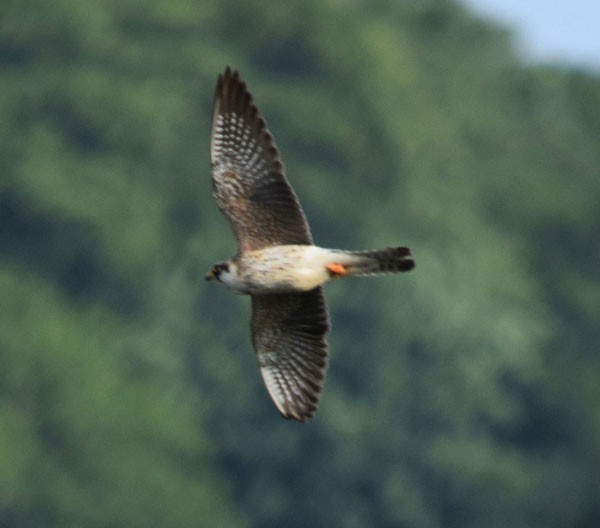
372,262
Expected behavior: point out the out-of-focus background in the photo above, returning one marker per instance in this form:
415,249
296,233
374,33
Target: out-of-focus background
464,394
549,30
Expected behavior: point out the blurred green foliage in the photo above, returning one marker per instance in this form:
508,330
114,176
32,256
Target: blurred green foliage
464,394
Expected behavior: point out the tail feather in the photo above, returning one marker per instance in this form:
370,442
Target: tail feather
375,261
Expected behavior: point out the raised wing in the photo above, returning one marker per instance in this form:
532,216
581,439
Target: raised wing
289,335
248,177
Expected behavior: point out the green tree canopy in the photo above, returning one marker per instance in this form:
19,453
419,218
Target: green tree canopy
463,394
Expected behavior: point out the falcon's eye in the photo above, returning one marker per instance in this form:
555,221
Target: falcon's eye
218,268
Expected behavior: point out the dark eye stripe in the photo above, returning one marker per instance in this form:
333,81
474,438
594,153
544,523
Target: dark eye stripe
221,267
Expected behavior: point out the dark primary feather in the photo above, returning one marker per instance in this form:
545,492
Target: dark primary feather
249,181
289,335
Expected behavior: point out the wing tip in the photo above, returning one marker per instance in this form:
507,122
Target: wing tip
231,94
299,408
299,414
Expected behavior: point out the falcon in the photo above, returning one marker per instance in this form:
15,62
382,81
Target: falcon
277,263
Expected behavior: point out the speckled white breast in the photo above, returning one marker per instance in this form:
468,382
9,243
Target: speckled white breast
282,269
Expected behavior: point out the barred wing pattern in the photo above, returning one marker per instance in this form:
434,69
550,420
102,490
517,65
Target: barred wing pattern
249,183
289,335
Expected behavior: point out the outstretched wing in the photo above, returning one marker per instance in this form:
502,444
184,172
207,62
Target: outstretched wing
289,335
248,177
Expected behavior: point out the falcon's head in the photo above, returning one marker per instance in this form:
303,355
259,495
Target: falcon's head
219,271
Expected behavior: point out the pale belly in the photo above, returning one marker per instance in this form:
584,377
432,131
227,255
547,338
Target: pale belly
283,269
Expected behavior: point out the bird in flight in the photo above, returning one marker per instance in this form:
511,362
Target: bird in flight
277,263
